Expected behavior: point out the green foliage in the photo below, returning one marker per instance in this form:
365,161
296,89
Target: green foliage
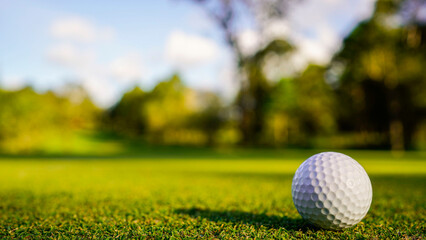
300,108
169,106
169,114
255,90
383,84
127,116
29,119
196,198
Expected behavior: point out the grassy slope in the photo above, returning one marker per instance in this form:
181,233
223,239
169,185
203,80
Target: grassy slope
195,198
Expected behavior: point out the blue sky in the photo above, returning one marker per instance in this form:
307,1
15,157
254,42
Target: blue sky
110,46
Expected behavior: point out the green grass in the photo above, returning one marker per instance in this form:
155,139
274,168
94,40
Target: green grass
243,196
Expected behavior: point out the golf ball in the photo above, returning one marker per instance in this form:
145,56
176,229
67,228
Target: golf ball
332,190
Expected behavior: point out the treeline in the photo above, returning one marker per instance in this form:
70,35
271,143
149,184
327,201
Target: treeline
169,114
371,95
31,122
296,111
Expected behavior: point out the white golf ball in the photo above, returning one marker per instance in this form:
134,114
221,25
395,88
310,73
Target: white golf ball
332,190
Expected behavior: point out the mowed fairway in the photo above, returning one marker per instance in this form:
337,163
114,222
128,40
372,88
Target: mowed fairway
229,198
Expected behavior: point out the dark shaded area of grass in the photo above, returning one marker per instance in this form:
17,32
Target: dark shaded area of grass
241,217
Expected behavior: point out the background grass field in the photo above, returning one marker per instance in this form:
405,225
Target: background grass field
230,196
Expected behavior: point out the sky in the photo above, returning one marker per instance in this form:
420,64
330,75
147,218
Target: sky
109,46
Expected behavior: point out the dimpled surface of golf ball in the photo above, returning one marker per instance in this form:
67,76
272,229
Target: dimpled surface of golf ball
332,191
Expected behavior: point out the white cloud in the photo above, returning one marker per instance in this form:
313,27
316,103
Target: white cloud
83,66
76,49
13,83
228,82
249,41
313,51
127,68
103,91
278,28
184,50
69,55
103,81
320,48
316,28
79,29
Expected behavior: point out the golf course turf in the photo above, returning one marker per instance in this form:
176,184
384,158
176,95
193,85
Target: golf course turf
197,197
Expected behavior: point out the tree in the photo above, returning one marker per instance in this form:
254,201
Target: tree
32,121
300,108
255,93
209,117
254,87
382,86
169,114
127,116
